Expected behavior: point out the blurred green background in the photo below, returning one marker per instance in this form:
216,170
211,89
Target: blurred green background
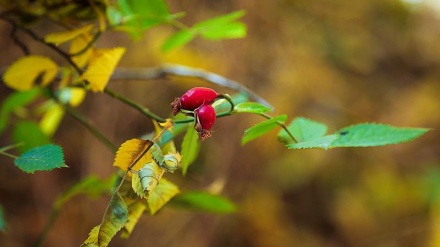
335,61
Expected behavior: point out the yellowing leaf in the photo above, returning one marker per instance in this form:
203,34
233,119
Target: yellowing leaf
172,161
147,179
22,74
115,217
51,119
101,68
92,240
77,45
135,211
161,195
130,151
61,37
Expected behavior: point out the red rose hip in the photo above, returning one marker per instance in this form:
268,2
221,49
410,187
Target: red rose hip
193,99
204,120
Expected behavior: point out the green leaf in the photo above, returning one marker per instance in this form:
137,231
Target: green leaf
43,158
161,195
30,134
320,142
220,20
302,129
251,107
137,185
142,15
262,128
190,148
114,16
91,186
177,40
204,201
13,102
222,27
2,220
135,211
371,134
157,155
228,31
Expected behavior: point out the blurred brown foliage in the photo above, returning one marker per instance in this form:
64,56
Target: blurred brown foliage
335,61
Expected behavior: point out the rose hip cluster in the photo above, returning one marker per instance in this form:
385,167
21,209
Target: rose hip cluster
197,102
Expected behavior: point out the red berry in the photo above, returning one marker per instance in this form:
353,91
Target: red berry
193,99
205,118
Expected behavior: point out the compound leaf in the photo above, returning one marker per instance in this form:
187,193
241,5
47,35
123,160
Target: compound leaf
24,72
163,192
44,158
204,201
303,130
101,68
371,134
190,148
262,128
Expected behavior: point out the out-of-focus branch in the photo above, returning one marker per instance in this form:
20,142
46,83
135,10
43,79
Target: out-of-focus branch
184,71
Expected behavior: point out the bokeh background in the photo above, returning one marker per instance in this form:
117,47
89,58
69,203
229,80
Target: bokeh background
335,61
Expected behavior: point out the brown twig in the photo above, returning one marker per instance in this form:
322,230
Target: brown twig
184,71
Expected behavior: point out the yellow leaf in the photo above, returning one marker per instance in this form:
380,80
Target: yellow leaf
77,96
129,151
101,67
51,119
77,45
135,211
169,124
22,74
161,195
61,37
